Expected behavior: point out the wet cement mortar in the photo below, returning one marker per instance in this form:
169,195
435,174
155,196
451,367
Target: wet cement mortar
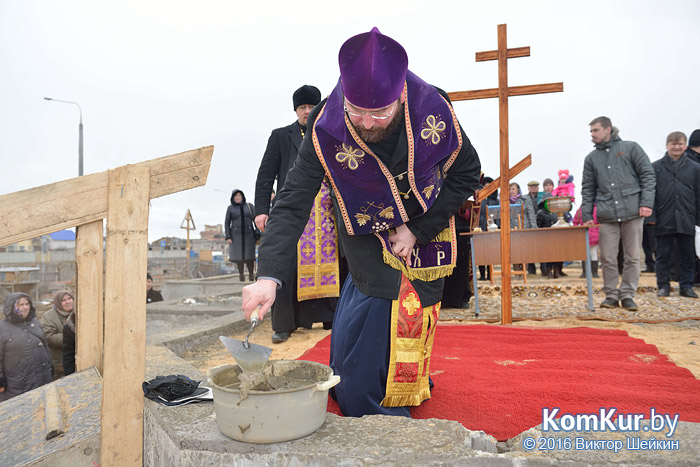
670,323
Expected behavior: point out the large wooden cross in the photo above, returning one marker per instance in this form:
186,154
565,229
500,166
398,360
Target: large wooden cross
502,92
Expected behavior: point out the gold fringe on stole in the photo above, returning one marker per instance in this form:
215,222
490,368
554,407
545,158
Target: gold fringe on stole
429,273
319,268
409,363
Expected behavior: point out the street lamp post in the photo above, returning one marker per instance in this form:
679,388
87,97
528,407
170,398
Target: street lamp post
80,132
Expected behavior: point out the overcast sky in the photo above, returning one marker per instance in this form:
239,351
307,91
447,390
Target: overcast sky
158,77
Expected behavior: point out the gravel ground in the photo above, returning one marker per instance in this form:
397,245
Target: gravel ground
567,297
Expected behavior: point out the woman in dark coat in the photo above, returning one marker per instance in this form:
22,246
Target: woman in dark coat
241,233
69,345
25,361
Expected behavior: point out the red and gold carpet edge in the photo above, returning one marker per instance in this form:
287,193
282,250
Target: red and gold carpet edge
498,379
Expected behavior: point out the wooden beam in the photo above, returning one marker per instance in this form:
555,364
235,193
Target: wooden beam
90,277
42,210
524,163
511,53
125,317
535,89
473,95
512,91
506,297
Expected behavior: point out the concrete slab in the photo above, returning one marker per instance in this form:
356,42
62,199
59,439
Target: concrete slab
214,305
189,435
174,289
22,424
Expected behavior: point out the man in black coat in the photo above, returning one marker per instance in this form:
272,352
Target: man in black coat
400,166
693,153
693,149
677,209
281,152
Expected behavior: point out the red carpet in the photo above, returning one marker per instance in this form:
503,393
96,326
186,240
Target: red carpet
498,378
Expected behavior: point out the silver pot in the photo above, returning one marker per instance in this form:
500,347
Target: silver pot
275,415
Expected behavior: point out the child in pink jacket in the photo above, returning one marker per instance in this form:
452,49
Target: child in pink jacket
566,185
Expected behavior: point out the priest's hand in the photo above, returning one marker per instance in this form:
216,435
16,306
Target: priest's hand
402,241
261,221
261,294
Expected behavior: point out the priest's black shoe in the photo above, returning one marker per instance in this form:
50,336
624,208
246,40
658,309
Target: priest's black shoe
609,303
664,291
688,292
279,337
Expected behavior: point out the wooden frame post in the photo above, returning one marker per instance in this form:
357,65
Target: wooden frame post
125,316
89,258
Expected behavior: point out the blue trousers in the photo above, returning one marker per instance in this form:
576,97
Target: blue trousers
360,346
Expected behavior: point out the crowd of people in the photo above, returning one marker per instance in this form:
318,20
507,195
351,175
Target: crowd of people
31,352
34,352
631,205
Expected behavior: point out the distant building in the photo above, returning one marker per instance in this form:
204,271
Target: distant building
168,243
212,239
61,240
212,233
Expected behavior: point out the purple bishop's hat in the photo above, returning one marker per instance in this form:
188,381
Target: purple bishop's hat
372,69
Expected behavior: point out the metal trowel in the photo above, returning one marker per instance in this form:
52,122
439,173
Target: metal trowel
250,357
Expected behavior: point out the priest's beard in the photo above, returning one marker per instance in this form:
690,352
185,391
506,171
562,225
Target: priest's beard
377,134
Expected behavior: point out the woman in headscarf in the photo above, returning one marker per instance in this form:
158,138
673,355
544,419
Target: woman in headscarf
52,323
25,361
241,233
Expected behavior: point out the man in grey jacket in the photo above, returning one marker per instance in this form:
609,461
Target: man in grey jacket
619,179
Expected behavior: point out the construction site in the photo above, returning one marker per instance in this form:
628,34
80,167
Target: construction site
530,369
103,419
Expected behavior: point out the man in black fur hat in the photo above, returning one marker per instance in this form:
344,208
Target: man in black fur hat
288,312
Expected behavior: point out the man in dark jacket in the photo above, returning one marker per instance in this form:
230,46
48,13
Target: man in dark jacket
677,211
693,150
289,312
152,295
619,179
693,153
400,166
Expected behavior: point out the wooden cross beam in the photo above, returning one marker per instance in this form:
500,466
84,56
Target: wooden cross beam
484,193
503,92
